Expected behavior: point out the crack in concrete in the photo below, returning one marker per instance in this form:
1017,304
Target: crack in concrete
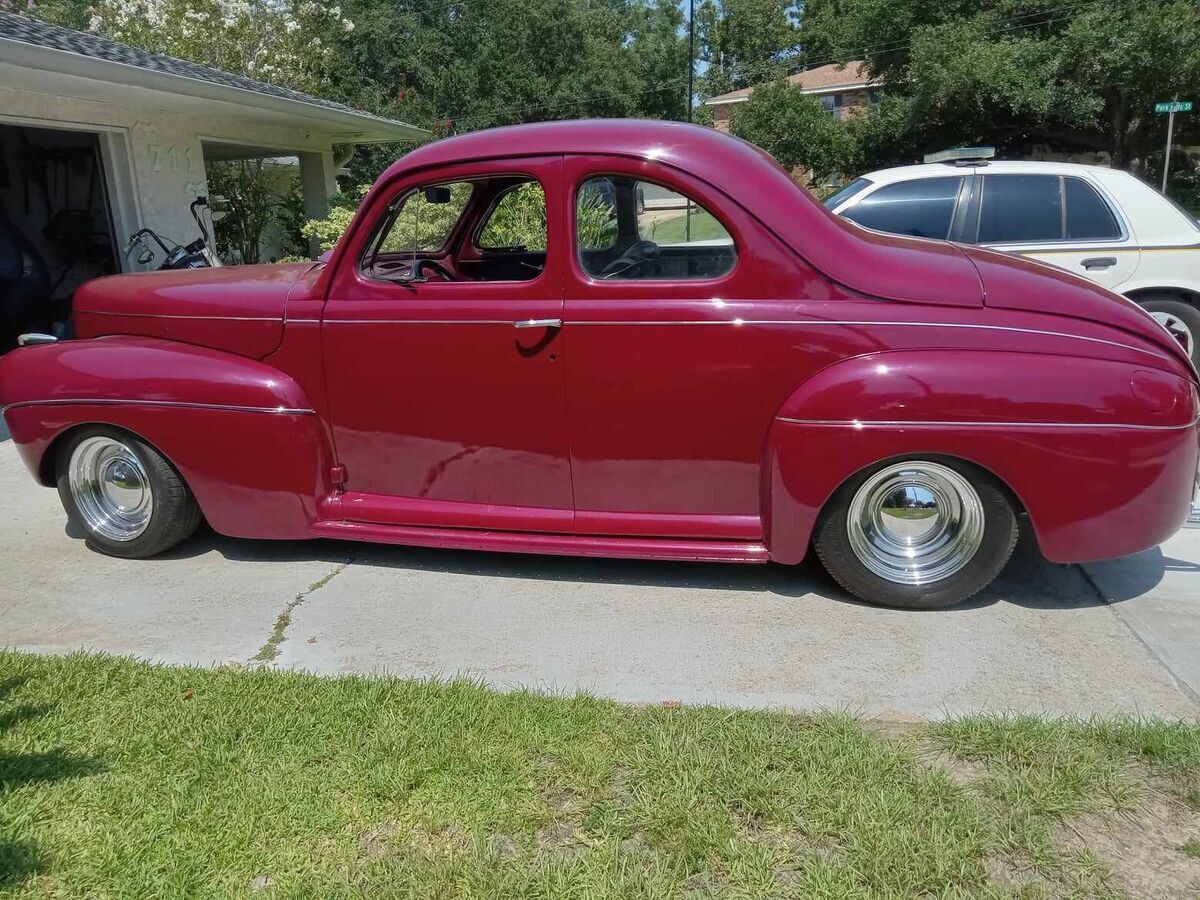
1182,686
270,650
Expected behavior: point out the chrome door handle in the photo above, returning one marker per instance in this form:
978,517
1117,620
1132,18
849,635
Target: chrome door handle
538,323
1099,262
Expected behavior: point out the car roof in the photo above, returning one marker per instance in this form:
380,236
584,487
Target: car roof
996,167
705,152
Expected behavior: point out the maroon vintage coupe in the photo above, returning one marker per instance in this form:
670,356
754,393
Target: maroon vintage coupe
620,339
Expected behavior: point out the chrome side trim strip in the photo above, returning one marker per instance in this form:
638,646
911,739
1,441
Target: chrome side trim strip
134,315
177,404
771,322
853,322
507,322
859,423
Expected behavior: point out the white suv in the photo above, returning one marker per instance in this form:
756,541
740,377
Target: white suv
1101,223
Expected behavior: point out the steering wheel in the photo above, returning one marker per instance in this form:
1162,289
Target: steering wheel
437,267
636,255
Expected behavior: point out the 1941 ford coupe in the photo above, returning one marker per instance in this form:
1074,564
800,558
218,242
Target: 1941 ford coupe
620,339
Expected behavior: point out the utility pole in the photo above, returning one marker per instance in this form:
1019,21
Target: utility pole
1170,134
691,54
687,209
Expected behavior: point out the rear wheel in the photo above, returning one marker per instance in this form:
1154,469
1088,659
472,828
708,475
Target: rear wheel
123,494
1179,317
917,534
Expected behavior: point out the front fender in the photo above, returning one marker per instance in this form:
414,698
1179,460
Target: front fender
242,433
1101,454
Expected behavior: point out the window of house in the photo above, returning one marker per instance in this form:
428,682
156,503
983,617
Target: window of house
923,207
517,220
1020,209
631,229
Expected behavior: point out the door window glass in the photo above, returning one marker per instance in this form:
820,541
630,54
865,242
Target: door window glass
631,229
1020,209
425,218
517,221
923,207
1088,216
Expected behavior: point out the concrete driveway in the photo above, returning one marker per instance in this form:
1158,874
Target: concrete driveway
1117,637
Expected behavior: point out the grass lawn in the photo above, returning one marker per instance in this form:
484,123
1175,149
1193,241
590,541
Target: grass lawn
674,230
121,779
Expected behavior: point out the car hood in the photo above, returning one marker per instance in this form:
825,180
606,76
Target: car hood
1012,282
236,308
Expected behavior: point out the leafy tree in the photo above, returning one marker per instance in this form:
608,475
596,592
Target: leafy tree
285,42
745,42
71,13
1075,75
474,64
796,129
254,202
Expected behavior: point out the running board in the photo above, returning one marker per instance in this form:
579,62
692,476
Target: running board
553,544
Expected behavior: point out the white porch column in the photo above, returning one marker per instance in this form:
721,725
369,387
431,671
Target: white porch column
318,182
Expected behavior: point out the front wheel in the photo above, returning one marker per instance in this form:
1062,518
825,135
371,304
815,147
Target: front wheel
917,534
123,494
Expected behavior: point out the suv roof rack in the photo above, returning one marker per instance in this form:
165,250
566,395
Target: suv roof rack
962,156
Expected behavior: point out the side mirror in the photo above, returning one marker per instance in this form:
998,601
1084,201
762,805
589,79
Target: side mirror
145,257
437,195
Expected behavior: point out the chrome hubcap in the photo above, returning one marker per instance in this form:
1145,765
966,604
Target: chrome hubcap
915,523
111,488
1178,329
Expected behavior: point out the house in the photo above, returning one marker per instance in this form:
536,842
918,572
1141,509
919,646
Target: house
841,88
99,139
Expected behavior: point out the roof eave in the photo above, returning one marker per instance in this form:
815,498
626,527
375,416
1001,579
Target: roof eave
350,126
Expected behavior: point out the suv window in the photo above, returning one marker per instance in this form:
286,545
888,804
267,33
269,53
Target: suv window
1088,216
1020,209
517,220
630,229
923,207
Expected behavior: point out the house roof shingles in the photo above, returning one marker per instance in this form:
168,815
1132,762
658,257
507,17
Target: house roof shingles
822,78
37,33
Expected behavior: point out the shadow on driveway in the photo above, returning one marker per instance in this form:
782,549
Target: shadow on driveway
1028,580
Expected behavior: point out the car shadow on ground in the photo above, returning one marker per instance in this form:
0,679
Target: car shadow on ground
1029,580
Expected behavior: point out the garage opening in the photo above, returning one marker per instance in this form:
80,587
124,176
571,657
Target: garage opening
56,229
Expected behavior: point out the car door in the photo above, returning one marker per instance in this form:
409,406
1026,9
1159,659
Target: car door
1063,220
672,380
447,394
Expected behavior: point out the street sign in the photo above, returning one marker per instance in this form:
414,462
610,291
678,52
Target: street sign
1173,106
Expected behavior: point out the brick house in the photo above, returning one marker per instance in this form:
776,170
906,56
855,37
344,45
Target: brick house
841,89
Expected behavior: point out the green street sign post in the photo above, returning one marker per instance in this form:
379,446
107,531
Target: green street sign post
1170,107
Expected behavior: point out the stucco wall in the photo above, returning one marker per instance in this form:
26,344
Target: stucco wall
154,156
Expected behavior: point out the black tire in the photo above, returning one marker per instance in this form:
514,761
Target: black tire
1185,313
834,548
174,514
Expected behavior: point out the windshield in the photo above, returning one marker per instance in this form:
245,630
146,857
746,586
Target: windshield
833,201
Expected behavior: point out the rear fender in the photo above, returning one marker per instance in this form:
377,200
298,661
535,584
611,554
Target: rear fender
242,433
1100,454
